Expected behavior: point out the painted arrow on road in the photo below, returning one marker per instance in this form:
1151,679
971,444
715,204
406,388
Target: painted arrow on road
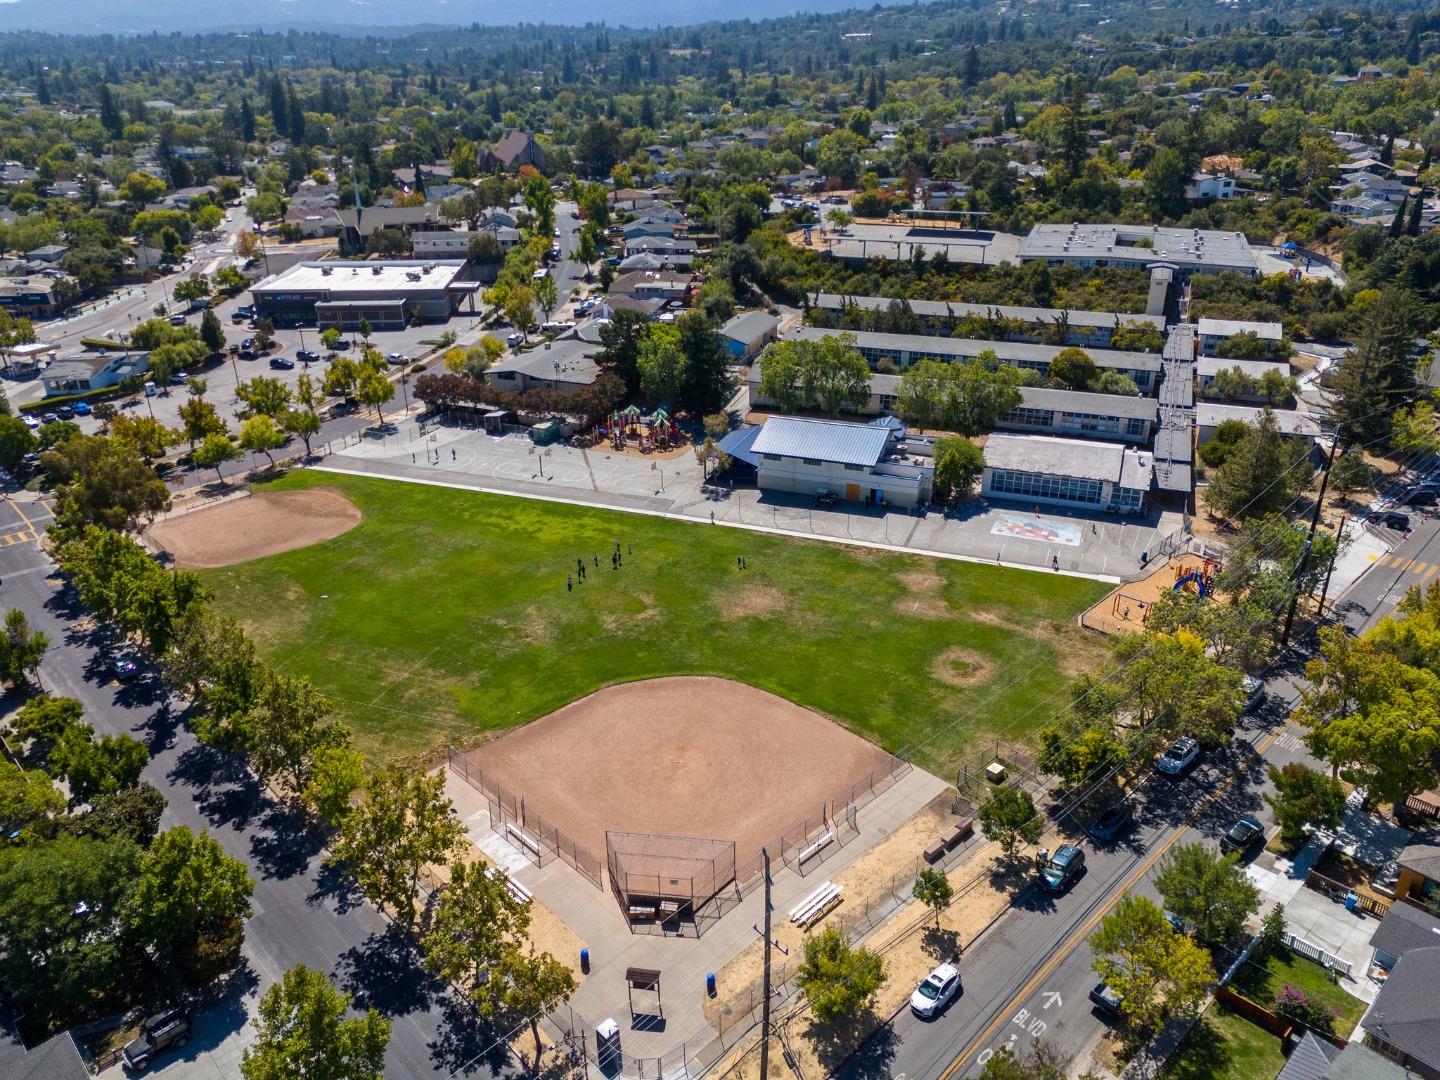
1052,998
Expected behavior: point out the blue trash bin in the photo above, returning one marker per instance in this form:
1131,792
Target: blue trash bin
710,983
585,960
1351,900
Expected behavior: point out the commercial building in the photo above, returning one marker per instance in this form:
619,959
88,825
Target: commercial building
388,295
855,462
37,297
902,350
1039,469
92,371
566,366
1138,247
1086,329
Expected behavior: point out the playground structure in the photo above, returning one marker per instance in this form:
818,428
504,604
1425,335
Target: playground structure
646,432
1128,608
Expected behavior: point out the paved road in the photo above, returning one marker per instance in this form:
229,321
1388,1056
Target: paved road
304,913
1028,977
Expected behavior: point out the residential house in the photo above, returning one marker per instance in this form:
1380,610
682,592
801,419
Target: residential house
92,371
647,260
747,333
517,148
358,226
1208,186
855,462
1420,872
50,253
660,245
1405,926
1403,1023
1362,207
652,286
57,1058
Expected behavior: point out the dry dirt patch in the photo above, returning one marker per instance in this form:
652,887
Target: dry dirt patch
922,594
958,666
761,600
263,524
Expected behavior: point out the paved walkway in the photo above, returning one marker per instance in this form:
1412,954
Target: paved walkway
1102,547
595,916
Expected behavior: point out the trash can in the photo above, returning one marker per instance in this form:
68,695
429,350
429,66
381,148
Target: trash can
710,983
585,960
1351,900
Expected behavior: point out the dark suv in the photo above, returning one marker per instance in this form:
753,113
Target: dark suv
1063,868
167,1028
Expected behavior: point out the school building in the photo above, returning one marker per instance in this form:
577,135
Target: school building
855,462
1040,469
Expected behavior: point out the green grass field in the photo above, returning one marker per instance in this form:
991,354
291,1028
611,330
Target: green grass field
1225,1046
444,617
1261,982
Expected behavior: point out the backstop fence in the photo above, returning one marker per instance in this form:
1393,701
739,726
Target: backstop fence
668,881
522,826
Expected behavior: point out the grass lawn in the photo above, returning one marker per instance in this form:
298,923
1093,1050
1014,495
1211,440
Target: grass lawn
444,617
1261,983
1223,1045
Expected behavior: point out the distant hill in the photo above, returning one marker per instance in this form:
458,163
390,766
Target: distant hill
166,16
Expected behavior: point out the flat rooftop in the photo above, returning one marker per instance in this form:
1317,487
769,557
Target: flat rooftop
1202,249
340,276
1267,331
1288,421
1019,352
955,309
1077,458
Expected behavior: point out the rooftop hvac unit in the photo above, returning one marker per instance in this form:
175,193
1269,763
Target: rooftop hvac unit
375,270
325,271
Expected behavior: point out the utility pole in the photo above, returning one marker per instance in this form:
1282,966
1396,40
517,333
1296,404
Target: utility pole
765,1008
1310,537
1325,589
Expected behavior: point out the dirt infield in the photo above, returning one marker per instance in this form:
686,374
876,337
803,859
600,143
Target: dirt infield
252,527
684,756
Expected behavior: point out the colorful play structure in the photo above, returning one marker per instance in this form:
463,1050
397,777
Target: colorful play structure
1201,577
632,427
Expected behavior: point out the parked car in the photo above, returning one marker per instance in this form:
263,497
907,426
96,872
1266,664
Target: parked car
306,355
82,408
280,363
1105,999
177,320
124,668
1180,755
50,418
1254,691
1421,497
1113,820
31,422
826,498
178,378
514,339
170,1027
398,358
1064,867
1179,925
937,991
1397,521
248,354
1242,834
248,343
65,412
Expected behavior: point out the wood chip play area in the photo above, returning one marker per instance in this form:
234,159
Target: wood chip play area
1125,610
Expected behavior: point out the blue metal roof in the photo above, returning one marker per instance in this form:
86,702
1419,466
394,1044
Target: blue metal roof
822,440
738,444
